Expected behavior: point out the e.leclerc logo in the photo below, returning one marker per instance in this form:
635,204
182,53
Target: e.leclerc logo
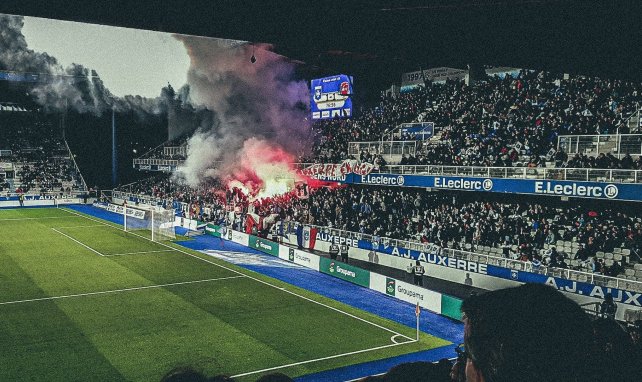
386,180
463,184
609,191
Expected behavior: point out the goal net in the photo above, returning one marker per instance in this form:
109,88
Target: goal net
155,223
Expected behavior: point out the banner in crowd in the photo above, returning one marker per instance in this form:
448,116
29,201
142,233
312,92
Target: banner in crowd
345,271
336,172
566,188
436,75
569,286
264,245
418,130
306,236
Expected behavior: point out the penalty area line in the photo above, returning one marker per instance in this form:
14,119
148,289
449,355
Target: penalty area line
118,290
322,359
253,278
83,244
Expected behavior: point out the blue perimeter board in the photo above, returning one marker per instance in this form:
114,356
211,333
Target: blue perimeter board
336,289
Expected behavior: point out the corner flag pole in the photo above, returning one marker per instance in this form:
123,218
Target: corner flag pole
417,313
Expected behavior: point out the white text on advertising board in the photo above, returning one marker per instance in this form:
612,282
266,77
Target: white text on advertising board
463,184
597,291
386,180
336,239
545,187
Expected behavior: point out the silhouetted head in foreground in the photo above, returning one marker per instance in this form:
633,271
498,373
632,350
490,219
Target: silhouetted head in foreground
531,333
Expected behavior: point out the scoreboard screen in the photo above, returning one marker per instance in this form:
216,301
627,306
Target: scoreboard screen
331,97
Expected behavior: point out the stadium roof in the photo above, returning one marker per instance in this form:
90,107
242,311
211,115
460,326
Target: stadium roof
379,36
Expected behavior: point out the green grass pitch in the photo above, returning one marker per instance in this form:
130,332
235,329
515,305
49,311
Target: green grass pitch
81,300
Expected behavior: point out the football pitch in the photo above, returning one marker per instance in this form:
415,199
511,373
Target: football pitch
80,299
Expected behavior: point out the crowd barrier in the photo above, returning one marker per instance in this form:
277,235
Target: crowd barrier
434,301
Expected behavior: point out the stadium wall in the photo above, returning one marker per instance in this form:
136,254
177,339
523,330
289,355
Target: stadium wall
399,289
38,201
483,276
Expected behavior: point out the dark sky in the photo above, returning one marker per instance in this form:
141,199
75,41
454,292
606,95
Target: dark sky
376,40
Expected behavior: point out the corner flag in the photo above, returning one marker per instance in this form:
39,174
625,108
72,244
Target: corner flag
417,312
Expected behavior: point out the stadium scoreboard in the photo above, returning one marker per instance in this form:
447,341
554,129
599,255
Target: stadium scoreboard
331,97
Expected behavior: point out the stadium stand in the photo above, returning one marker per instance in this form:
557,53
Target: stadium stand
497,122
604,239
38,156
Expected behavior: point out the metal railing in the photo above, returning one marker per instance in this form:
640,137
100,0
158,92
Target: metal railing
544,173
576,174
383,147
159,162
568,274
616,144
73,160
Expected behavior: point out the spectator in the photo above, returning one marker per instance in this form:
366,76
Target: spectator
608,308
527,333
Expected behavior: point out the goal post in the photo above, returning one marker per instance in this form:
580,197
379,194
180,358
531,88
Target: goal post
156,223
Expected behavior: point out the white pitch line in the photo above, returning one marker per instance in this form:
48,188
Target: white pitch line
117,290
80,226
255,279
44,217
84,245
320,359
138,253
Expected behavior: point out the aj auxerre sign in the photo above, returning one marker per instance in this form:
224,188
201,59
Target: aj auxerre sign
569,286
597,190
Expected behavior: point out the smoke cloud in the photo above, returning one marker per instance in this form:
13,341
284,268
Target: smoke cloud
260,112
75,87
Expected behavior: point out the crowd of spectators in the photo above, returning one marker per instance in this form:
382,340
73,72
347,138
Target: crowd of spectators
495,122
451,220
443,154
32,143
49,176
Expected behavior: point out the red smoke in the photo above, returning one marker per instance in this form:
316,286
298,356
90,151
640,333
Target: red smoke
262,169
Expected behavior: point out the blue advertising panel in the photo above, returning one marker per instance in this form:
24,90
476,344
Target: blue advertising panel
569,286
576,189
417,130
330,97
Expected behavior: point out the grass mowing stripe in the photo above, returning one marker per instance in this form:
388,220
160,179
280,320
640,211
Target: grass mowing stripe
84,245
319,359
411,340
118,290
